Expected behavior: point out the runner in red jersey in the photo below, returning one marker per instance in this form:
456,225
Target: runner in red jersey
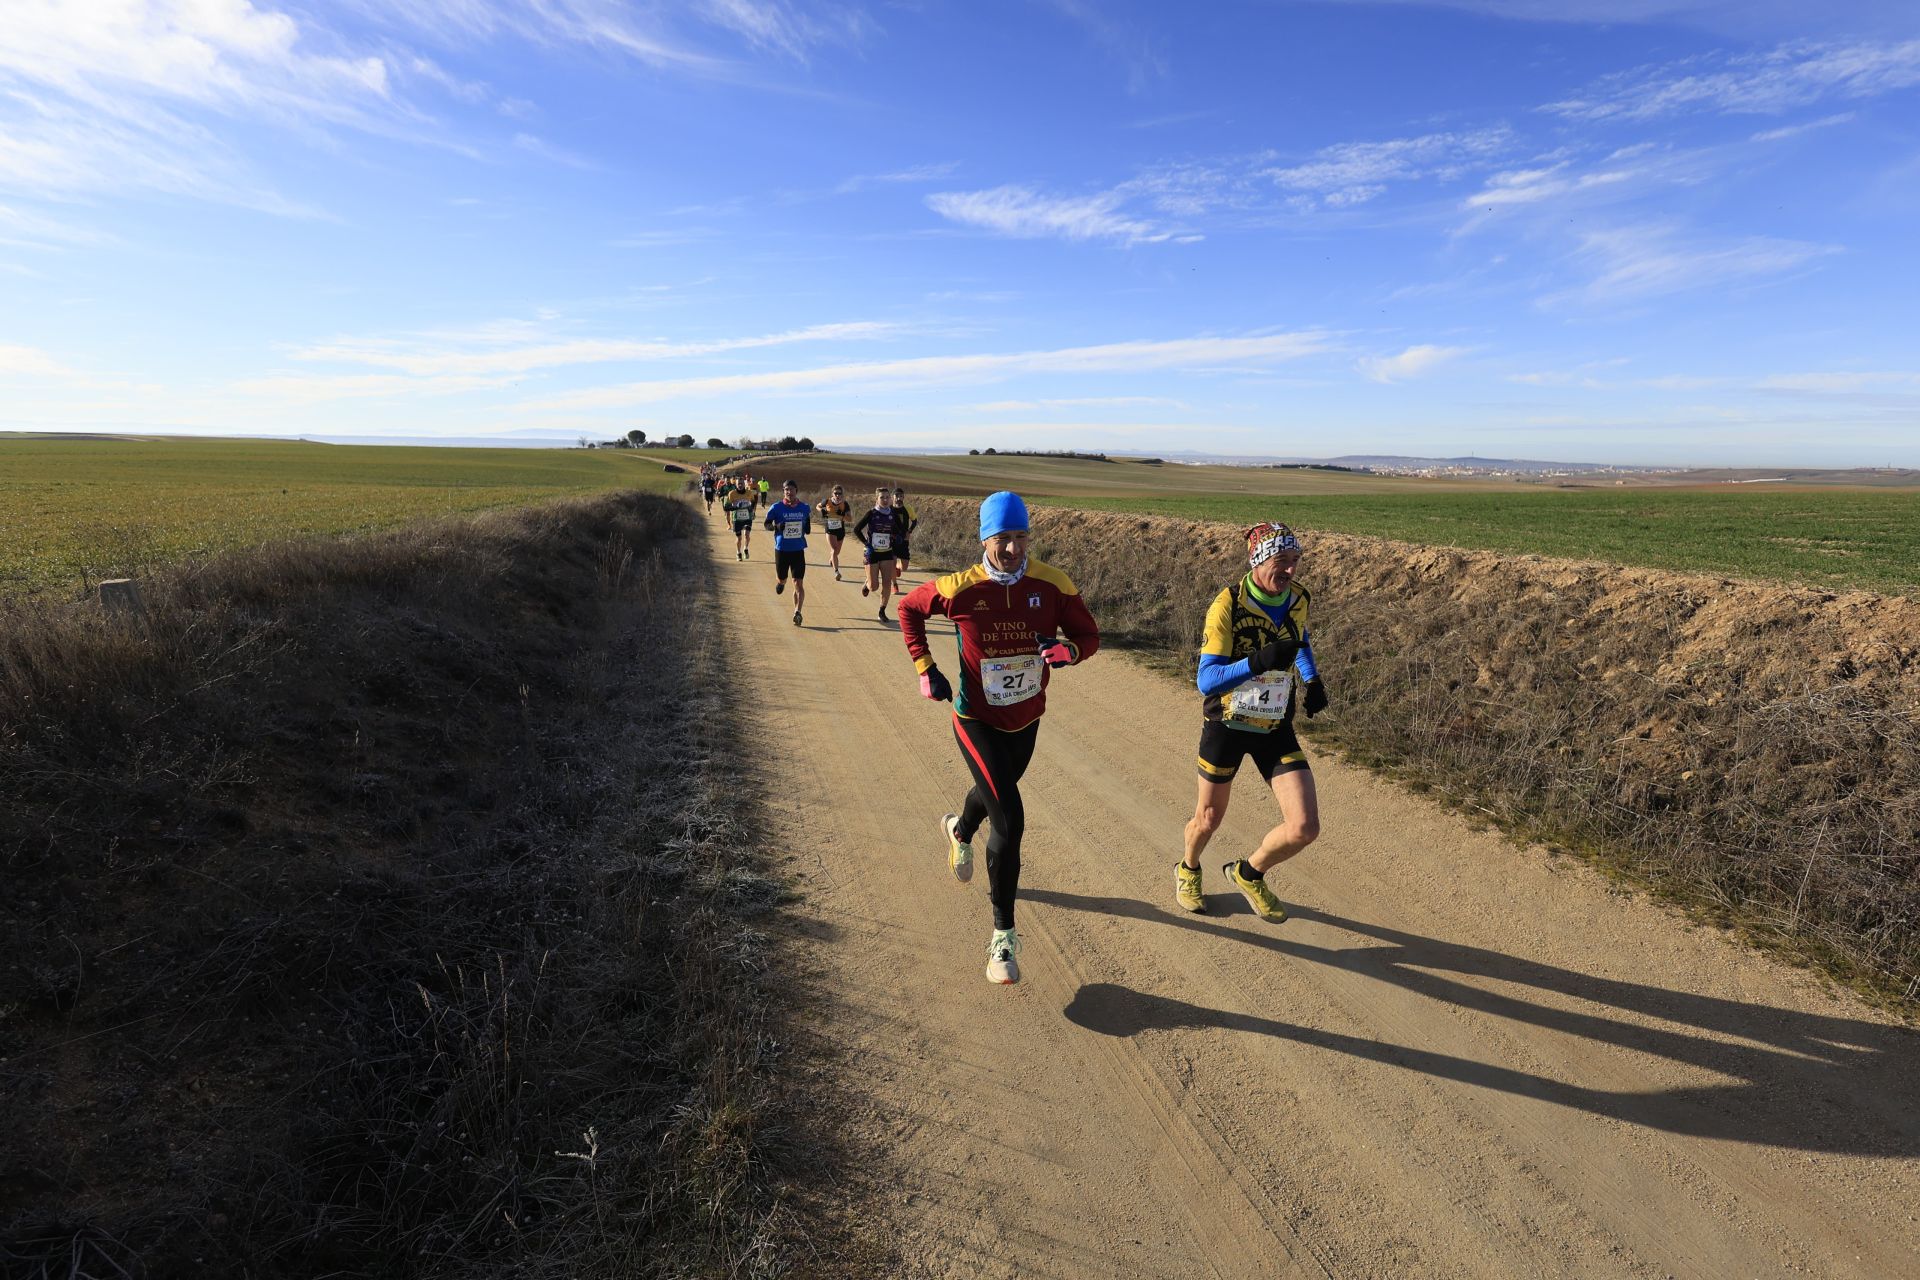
1010,612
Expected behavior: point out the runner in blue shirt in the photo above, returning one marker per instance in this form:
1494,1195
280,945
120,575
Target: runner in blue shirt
791,521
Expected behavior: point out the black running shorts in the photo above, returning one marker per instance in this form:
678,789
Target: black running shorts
1222,748
794,562
878,557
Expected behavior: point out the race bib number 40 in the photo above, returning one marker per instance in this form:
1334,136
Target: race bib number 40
1264,698
1010,680
883,542
791,529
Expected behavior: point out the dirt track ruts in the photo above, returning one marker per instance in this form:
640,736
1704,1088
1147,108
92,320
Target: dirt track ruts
1458,1058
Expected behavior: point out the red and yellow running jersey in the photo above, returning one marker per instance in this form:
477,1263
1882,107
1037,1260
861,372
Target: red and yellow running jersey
1003,682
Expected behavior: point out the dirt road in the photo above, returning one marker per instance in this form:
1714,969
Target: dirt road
1458,1058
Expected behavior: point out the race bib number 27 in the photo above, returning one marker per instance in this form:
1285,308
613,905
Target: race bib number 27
1010,680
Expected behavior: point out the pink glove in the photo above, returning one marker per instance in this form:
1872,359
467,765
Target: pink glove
1057,653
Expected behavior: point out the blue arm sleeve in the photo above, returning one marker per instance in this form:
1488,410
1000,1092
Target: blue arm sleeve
1304,662
1218,674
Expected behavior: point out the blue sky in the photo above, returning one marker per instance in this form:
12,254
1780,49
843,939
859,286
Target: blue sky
1685,234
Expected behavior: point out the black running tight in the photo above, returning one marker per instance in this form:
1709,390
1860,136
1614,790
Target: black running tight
997,760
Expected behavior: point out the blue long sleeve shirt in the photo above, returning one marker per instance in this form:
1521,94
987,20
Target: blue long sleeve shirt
1218,674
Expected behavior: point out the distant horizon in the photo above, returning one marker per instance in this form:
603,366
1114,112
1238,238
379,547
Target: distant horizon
520,441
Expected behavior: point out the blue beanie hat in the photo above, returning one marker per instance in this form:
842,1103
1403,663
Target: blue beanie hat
1000,512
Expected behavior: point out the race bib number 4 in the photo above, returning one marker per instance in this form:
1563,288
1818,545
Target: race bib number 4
1264,698
1010,680
791,529
883,542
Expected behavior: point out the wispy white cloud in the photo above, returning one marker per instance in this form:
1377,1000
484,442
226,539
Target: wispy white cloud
642,34
1779,80
1532,186
787,28
1024,213
899,177
1850,383
512,347
306,389
1118,357
18,361
1414,362
1354,172
1132,47
1632,263
1078,402
127,97
534,145
1795,130
663,237
35,230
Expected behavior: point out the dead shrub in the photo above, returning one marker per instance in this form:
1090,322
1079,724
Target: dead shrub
377,906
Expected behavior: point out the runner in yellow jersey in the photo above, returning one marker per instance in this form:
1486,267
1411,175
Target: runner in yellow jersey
835,513
1256,669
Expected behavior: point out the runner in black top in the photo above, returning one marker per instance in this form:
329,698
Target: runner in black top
877,532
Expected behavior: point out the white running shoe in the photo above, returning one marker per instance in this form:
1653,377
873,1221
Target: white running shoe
959,852
1003,957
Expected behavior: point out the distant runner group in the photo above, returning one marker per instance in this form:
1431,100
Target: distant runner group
1019,620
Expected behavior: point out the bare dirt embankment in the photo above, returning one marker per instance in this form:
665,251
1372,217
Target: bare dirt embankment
1749,750
383,907
1459,1057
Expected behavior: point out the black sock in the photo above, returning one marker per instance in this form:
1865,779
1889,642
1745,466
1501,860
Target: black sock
1248,873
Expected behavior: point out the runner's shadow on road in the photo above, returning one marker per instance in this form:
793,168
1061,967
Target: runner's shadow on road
1796,1080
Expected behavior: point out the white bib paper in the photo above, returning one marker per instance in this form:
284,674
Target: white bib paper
883,542
834,526
1010,680
791,529
1264,697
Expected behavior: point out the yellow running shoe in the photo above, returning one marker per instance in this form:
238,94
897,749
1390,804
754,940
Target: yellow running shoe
959,852
1186,887
1258,896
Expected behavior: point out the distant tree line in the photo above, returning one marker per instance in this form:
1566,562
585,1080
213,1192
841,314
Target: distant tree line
785,444
637,439
1042,453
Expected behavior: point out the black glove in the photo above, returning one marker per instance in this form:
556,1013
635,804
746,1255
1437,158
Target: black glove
934,686
1316,700
1273,657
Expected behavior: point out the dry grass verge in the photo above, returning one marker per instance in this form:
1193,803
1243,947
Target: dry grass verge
1749,751
379,908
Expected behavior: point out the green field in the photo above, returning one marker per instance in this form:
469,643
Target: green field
1831,536
1074,477
1866,539
74,510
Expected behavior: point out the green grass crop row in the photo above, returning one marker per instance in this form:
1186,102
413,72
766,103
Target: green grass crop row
1834,538
73,511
